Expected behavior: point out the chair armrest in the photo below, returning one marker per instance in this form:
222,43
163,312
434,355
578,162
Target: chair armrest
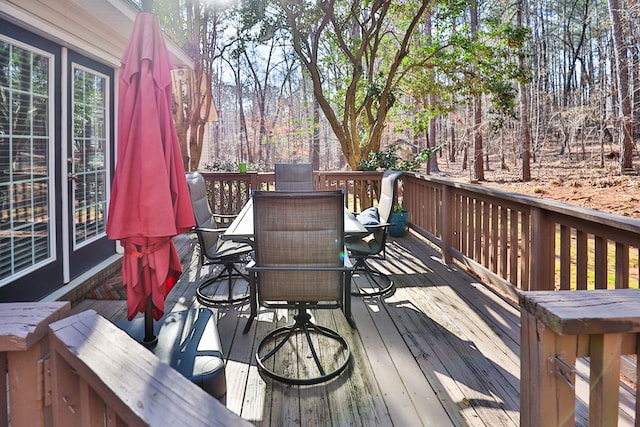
223,219
210,230
374,227
229,216
347,260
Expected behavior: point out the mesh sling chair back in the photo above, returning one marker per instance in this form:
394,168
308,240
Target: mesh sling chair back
300,264
376,219
294,176
230,285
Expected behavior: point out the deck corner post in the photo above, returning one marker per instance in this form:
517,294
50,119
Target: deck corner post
4,402
545,398
24,344
604,378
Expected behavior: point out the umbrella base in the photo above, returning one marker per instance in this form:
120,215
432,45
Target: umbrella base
188,341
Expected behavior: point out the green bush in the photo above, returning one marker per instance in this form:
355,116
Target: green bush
388,159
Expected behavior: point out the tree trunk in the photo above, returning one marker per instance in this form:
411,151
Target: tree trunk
199,116
524,114
315,143
478,161
452,143
478,151
179,119
432,165
244,136
622,75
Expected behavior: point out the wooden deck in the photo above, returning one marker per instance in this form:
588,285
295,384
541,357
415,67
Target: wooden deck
442,350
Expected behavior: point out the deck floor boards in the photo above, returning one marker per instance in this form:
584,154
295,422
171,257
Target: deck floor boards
442,350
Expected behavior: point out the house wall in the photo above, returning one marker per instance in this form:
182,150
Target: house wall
80,35
98,28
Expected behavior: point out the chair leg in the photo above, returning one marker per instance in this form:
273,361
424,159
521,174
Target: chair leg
346,303
253,303
279,337
381,284
231,273
247,326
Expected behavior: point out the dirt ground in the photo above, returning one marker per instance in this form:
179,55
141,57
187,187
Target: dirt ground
558,178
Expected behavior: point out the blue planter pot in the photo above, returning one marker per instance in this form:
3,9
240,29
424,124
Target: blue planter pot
399,221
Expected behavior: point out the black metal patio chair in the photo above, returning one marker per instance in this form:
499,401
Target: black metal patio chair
230,285
300,264
362,249
294,176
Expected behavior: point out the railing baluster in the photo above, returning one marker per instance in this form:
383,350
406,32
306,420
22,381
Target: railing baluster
477,209
526,252
581,260
565,253
600,262
448,223
622,266
513,246
504,228
4,402
486,233
495,218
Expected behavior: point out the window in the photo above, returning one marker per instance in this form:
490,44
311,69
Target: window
26,231
90,139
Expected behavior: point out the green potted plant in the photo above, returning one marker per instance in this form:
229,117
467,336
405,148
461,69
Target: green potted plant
399,220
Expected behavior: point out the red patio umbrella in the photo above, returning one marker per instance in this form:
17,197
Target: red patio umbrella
150,201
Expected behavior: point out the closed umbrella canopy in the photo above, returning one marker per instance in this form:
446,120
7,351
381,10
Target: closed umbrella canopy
150,201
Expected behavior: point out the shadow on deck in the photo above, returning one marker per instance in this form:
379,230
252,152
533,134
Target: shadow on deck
442,350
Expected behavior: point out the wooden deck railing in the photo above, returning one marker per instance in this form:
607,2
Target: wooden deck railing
230,191
523,243
23,361
520,243
57,372
512,241
82,371
557,329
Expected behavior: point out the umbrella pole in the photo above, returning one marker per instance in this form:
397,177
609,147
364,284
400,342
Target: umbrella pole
149,337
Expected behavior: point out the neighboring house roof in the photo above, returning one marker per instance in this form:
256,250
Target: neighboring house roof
97,28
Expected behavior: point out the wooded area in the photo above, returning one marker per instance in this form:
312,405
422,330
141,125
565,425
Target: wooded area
329,82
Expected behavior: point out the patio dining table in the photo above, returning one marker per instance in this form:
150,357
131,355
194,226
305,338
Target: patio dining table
241,229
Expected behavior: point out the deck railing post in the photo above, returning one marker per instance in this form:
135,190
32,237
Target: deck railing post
4,413
24,347
547,396
255,182
102,376
542,252
557,328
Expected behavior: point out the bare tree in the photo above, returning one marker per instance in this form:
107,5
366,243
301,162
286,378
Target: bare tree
524,112
478,161
624,98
